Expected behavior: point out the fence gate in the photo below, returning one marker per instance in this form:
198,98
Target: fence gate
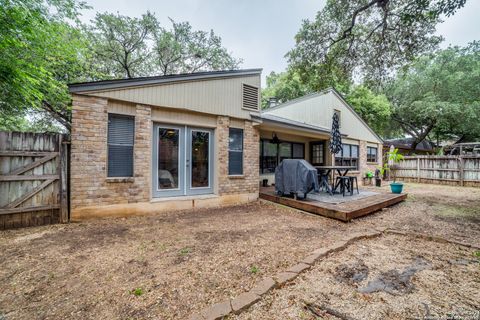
33,179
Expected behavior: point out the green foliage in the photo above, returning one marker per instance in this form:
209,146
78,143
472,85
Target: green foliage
185,251
369,174
254,270
132,47
367,39
137,292
283,86
395,158
41,52
44,47
120,43
439,94
183,50
375,109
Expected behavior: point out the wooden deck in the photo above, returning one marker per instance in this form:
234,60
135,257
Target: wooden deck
343,211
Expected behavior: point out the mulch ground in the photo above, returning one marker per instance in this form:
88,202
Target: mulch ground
171,265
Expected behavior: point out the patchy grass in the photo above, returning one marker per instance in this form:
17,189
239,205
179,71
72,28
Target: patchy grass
137,292
254,269
454,211
185,251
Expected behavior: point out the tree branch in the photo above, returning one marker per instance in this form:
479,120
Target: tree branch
63,119
348,31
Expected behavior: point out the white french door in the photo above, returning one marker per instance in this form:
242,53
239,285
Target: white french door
182,160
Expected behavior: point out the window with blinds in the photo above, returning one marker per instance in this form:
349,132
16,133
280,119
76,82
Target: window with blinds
250,97
348,156
121,136
235,152
271,154
371,154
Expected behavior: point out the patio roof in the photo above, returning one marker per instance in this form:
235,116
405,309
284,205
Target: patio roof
288,123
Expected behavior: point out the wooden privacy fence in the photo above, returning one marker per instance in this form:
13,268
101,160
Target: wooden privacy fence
33,179
452,170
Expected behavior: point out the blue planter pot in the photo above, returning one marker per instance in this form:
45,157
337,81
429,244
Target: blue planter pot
396,187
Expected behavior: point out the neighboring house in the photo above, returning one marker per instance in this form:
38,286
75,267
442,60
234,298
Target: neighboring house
404,146
464,149
152,144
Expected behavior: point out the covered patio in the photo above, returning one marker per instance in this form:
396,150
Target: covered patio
305,129
287,139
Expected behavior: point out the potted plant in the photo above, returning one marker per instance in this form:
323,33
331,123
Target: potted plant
369,176
395,158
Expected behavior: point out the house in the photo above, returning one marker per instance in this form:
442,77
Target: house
152,144
404,146
463,148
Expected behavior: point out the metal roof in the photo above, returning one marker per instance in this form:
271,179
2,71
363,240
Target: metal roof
406,143
133,82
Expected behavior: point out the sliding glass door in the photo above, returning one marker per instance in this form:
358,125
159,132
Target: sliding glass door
182,161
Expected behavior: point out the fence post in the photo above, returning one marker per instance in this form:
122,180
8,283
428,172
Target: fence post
63,152
418,169
461,172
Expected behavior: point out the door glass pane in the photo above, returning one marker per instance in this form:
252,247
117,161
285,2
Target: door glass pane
200,158
354,152
168,151
346,151
317,154
269,157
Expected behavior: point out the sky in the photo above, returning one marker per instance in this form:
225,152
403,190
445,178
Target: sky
261,32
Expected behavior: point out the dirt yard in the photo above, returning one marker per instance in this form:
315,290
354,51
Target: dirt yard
391,277
171,265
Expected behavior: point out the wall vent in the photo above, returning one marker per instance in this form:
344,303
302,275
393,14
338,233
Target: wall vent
250,97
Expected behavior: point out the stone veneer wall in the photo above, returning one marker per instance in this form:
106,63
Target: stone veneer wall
89,183
249,181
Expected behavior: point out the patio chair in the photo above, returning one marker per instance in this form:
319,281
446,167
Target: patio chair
352,180
324,180
344,183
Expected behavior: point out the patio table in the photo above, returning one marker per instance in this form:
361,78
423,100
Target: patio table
341,170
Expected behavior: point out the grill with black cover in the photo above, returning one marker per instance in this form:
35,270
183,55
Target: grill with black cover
295,176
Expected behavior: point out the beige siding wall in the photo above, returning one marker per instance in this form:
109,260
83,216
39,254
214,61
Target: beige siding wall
318,110
167,115
221,96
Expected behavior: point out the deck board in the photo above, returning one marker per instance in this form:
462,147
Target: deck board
342,211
